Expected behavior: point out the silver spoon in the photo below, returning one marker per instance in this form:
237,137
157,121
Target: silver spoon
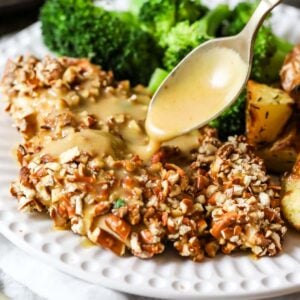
242,44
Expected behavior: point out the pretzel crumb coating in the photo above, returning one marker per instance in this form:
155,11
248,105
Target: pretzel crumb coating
245,210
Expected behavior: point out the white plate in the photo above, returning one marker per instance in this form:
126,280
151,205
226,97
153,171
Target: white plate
167,276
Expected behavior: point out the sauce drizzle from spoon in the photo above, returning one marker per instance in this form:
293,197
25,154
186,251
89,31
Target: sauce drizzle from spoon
197,93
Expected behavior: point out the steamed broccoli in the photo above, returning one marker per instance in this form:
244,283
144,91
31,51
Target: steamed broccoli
184,36
180,41
80,29
270,73
190,10
159,16
269,50
232,120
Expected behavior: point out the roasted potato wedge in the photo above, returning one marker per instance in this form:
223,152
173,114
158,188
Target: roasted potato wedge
278,161
268,110
291,197
280,156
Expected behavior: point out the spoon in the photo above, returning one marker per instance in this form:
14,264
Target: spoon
206,82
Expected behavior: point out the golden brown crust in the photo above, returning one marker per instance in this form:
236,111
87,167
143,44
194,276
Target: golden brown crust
245,212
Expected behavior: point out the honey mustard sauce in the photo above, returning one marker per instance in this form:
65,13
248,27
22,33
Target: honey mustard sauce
94,142
134,138
112,105
195,96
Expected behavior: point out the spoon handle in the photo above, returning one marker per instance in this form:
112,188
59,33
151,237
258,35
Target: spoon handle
261,12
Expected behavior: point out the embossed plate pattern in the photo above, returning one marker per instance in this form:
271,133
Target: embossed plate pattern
166,276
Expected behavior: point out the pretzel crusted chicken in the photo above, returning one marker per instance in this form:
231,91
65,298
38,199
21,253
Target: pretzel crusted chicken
83,161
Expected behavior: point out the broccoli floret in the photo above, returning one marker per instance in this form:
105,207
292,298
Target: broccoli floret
239,17
269,51
264,49
159,16
182,39
270,72
156,79
184,36
232,121
80,29
135,6
189,10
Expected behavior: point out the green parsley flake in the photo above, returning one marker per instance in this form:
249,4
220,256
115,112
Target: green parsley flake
119,203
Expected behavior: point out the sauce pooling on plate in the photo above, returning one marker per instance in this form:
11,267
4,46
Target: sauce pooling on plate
196,94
